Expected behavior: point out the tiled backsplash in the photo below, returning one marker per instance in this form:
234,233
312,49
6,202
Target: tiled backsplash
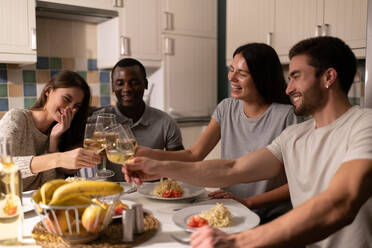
20,86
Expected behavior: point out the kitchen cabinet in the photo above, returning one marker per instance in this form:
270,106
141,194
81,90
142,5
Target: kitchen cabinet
186,83
285,22
247,21
136,33
97,4
190,75
299,19
190,17
18,31
295,20
347,19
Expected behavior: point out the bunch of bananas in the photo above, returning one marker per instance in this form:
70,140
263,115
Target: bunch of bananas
58,192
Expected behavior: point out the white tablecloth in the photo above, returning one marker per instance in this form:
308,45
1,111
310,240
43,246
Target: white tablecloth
160,209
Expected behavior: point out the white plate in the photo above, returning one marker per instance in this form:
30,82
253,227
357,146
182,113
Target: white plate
189,191
243,218
26,200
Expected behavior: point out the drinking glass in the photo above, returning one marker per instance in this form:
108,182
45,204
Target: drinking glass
120,145
104,121
95,143
11,213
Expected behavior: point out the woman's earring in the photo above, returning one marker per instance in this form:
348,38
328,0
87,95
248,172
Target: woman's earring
327,86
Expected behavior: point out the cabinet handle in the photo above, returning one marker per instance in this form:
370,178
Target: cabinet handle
168,21
168,46
269,36
124,46
325,29
119,3
318,30
33,38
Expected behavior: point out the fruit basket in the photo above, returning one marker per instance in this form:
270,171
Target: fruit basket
75,224
73,213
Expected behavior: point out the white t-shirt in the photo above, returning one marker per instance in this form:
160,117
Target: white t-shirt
312,156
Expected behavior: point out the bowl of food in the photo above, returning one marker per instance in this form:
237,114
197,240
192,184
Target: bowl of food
71,210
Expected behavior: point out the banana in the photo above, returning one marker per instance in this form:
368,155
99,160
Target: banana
48,188
75,201
36,196
86,188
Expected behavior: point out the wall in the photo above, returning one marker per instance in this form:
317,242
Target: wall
61,45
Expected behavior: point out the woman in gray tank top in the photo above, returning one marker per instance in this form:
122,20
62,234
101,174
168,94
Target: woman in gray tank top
257,112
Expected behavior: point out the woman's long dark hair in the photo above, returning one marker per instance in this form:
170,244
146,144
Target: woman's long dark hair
75,134
266,71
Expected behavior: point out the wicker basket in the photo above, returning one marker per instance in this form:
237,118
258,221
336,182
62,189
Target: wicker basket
65,221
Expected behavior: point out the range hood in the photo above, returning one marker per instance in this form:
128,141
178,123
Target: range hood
71,12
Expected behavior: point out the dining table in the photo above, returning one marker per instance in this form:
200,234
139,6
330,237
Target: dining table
168,234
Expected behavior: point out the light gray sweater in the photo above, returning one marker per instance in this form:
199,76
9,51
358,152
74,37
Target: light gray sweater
18,126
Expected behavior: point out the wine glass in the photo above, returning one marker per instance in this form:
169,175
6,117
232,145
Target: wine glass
120,145
104,121
93,143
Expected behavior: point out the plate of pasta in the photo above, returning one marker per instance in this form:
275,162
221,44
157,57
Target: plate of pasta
170,190
227,216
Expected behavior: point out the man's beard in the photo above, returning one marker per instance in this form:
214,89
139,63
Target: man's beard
312,100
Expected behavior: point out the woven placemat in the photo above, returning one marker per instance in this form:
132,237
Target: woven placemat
110,237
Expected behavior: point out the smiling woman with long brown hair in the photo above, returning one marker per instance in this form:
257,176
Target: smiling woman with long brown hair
54,125
257,112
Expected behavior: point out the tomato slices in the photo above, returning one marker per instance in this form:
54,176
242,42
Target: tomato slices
120,208
172,193
197,221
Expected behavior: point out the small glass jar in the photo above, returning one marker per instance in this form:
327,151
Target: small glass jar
11,212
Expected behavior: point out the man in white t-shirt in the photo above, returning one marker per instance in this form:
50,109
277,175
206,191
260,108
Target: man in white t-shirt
327,160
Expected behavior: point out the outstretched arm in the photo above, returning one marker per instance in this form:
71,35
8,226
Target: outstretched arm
315,219
259,165
198,151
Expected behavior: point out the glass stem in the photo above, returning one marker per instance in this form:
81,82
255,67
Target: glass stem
104,163
95,171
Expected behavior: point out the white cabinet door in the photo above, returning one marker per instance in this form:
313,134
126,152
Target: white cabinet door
18,31
97,4
190,75
135,33
295,20
190,17
140,31
347,19
248,21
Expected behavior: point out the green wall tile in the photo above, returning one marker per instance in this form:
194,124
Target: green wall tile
105,89
29,102
83,74
29,76
3,90
55,63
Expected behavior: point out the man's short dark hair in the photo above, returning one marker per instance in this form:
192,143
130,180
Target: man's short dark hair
328,52
127,62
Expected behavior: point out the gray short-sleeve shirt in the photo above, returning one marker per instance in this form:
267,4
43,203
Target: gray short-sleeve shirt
241,135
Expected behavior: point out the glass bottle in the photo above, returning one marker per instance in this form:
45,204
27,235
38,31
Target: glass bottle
11,213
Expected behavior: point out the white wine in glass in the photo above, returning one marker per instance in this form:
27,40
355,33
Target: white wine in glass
104,121
123,148
93,143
